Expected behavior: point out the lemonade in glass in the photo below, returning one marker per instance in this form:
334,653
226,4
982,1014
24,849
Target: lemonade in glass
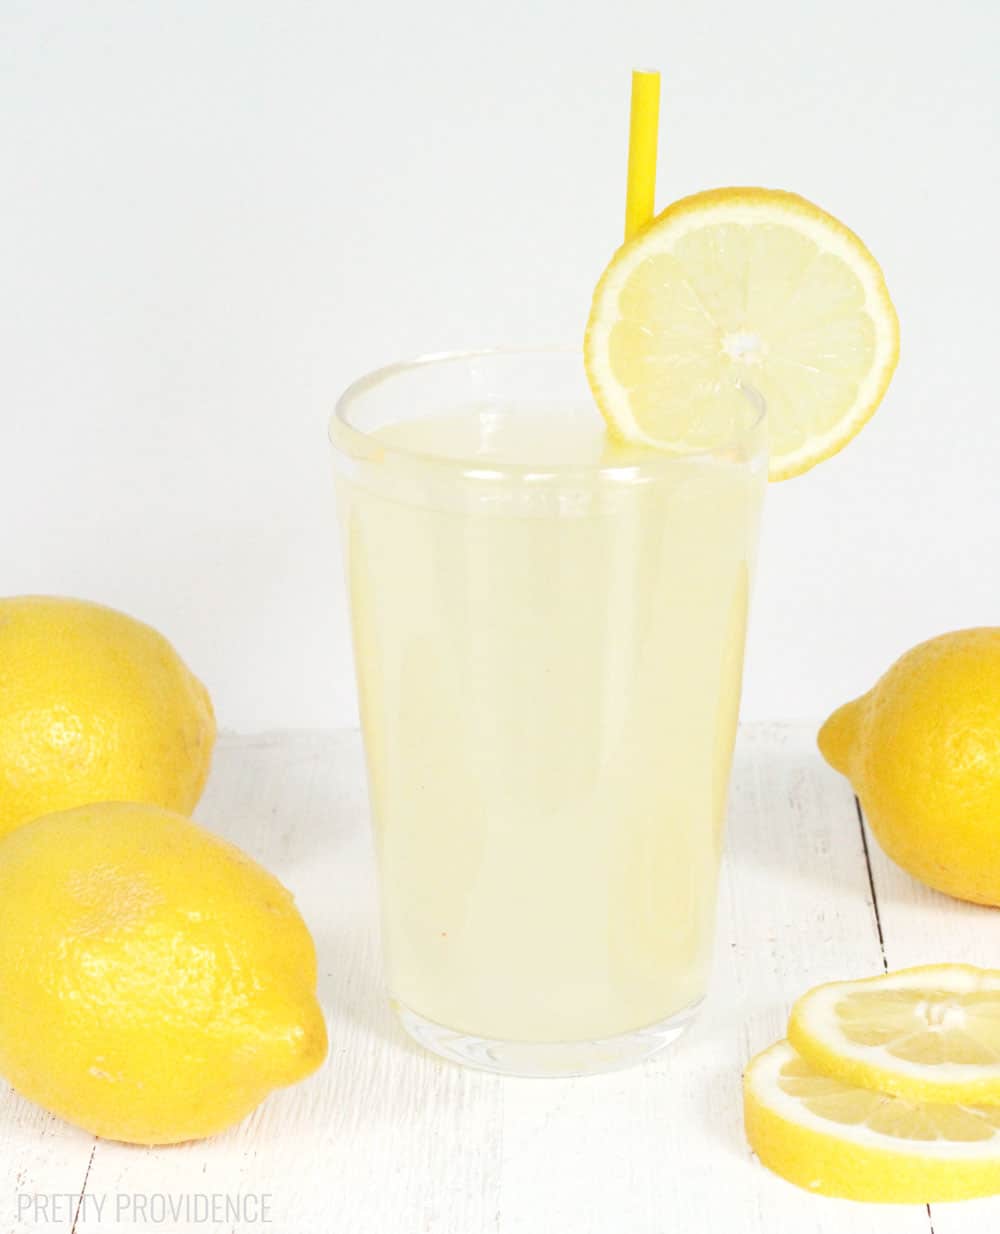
549,633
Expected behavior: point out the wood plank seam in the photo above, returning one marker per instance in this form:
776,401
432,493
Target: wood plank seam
871,883
83,1188
878,924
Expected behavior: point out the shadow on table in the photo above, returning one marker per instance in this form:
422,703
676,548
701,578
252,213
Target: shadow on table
706,1064
792,816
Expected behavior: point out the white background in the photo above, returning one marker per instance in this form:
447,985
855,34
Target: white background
218,212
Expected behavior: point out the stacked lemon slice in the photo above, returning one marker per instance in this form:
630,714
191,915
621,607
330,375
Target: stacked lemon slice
887,1089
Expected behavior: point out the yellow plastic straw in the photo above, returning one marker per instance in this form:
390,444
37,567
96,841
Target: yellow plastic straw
644,127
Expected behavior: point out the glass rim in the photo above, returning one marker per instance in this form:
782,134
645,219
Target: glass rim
346,438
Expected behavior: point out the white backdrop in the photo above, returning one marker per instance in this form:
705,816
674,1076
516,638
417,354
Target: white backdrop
218,212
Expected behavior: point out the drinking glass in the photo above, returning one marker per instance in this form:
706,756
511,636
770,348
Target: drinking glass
548,633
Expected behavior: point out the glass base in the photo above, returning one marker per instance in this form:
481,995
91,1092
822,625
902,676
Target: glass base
546,1058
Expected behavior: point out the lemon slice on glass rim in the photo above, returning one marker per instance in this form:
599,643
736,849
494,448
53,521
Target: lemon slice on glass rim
837,1139
742,287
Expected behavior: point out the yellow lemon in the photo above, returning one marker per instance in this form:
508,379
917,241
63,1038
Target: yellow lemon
155,983
922,750
95,706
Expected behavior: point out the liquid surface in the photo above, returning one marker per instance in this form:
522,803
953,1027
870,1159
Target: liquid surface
549,688
522,437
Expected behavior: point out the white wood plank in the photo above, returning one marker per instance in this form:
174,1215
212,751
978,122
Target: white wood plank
42,1157
921,926
386,1139
662,1148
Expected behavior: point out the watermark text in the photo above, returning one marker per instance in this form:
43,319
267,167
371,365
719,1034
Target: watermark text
144,1207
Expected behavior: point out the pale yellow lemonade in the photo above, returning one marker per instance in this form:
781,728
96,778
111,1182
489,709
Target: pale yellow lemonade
549,636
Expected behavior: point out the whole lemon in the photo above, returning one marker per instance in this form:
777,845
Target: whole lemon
922,750
155,983
95,706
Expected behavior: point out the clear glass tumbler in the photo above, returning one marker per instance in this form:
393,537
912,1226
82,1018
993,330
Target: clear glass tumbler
548,633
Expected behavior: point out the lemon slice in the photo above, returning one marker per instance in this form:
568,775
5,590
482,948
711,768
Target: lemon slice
928,1034
736,287
839,1140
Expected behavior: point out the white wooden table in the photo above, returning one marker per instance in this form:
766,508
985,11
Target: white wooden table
387,1140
